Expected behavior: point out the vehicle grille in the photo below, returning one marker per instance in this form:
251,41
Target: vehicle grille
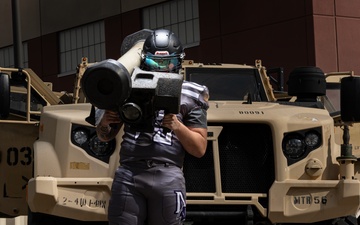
246,161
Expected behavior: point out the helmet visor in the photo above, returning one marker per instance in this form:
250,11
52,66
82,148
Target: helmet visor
163,64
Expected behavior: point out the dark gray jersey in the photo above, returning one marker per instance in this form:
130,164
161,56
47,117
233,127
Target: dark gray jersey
162,146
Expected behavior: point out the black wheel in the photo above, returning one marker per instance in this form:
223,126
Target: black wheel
348,220
307,83
4,95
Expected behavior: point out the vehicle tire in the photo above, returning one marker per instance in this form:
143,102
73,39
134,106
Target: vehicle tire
348,220
307,83
4,95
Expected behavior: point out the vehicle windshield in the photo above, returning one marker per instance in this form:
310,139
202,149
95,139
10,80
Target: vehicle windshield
332,99
229,83
18,99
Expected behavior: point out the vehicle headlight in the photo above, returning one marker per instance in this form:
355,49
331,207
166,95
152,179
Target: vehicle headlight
80,136
293,147
312,139
85,138
297,145
100,148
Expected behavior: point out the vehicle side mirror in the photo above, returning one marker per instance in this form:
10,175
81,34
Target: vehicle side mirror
4,95
350,99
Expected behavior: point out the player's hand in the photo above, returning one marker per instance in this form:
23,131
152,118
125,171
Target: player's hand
110,117
171,122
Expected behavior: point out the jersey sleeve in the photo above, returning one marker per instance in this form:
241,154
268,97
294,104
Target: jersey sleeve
194,104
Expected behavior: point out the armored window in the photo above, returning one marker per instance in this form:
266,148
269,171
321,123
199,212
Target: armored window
18,101
229,83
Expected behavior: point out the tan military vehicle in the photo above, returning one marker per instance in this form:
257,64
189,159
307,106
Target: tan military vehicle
23,95
272,162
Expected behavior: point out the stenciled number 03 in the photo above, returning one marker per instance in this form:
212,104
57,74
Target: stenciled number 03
16,156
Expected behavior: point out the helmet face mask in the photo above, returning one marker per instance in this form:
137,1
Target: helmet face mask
162,52
162,63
